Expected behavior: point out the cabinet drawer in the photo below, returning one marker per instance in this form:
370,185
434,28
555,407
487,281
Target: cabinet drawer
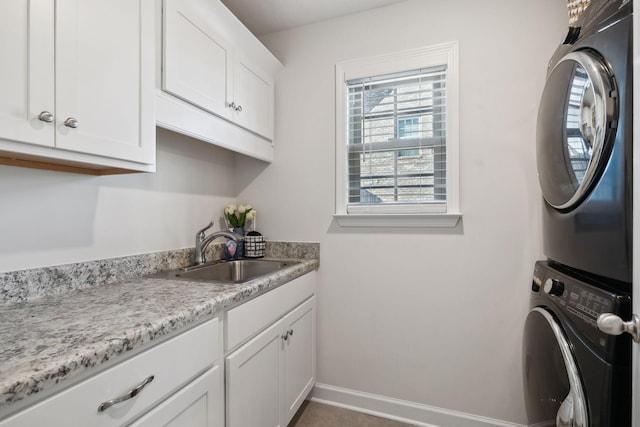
172,363
248,319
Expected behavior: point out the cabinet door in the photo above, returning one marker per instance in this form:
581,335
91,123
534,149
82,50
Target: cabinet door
197,60
104,78
27,83
299,357
199,404
253,94
253,375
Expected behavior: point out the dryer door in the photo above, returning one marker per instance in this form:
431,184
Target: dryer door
576,128
554,393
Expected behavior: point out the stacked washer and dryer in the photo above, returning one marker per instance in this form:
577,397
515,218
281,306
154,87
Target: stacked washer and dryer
575,374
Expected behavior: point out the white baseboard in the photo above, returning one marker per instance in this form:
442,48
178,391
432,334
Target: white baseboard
400,410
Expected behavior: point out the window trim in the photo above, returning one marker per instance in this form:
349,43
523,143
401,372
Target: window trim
441,54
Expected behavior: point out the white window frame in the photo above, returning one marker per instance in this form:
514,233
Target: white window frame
420,215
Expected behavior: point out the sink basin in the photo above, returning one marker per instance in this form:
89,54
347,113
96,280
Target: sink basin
238,271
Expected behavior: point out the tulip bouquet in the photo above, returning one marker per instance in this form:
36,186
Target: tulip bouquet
237,216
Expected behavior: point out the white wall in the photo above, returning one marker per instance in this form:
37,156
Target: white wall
428,316
51,218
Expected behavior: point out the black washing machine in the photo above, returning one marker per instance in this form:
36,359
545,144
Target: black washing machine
584,146
574,374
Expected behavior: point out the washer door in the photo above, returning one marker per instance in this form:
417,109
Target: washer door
577,122
554,394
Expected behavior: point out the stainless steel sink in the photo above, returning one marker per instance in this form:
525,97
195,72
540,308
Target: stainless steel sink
238,271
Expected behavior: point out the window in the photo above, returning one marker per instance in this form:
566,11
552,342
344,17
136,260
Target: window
396,140
409,128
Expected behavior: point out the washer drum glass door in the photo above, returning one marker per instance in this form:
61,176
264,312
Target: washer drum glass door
576,128
554,393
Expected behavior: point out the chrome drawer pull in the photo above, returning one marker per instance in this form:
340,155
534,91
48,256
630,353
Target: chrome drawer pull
126,396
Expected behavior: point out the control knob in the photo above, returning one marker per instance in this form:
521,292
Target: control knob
553,287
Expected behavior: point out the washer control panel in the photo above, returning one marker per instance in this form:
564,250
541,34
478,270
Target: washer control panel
587,304
578,302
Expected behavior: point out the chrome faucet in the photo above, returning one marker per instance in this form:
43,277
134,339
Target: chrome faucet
202,241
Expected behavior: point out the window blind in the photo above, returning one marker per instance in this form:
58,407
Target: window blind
397,140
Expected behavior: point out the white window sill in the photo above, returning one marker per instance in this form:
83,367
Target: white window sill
448,220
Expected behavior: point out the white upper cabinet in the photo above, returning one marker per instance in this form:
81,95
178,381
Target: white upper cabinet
217,79
78,85
104,77
198,61
27,83
253,97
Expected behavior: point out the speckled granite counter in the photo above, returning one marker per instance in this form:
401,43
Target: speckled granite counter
63,335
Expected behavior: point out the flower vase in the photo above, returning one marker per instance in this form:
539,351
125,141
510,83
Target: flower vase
240,249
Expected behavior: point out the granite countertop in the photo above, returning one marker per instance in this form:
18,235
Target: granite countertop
48,340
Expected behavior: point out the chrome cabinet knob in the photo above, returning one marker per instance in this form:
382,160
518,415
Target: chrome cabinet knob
613,325
234,107
46,117
71,123
287,334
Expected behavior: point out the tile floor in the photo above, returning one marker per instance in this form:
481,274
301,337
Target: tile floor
313,414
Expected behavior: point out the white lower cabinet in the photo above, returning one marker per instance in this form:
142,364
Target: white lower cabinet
269,369
196,405
253,381
269,376
299,372
186,386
